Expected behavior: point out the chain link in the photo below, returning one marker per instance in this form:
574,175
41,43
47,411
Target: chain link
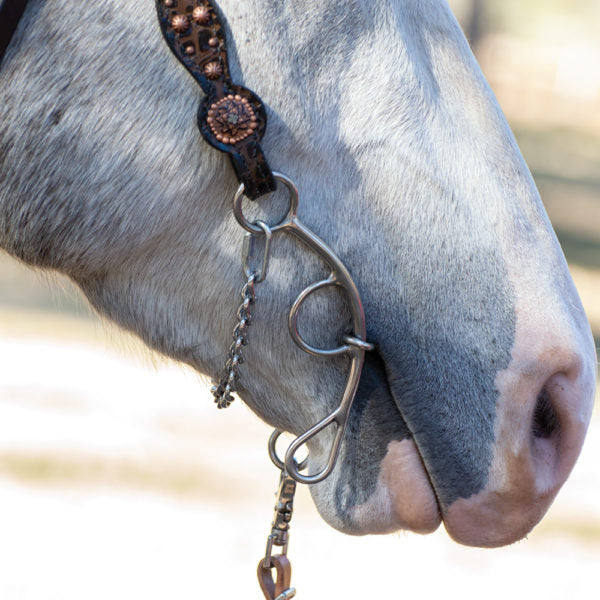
282,517
227,383
281,588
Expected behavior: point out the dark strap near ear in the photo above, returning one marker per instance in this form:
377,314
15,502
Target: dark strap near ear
231,117
10,14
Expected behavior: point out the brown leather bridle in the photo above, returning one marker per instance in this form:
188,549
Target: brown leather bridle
231,118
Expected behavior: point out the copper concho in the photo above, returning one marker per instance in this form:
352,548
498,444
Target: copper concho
232,119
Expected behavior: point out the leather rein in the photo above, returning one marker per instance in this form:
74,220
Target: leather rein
233,119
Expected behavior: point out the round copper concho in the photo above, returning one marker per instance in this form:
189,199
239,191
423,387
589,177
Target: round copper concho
232,119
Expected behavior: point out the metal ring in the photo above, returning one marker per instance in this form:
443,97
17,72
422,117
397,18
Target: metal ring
285,222
275,457
293,320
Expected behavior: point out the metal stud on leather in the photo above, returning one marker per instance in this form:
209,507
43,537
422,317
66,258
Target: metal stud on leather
231,117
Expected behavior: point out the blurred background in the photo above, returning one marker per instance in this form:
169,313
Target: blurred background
119,479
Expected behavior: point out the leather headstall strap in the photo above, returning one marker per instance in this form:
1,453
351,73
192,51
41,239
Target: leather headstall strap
231,117
10,15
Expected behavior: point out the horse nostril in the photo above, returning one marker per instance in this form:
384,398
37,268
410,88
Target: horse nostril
545,420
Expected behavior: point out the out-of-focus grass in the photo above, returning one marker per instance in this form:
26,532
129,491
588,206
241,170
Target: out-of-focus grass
38,304
588,286
566,167
30,289
152,474
562,153
584,531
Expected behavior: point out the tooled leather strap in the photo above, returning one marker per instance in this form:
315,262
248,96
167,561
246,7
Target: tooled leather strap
231,117
10,14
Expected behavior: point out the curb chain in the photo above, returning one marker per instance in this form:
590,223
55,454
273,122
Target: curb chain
227,382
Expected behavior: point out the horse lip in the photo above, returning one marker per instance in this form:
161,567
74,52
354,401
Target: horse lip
416,446
415,450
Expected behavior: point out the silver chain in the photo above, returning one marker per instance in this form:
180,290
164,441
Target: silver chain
227,383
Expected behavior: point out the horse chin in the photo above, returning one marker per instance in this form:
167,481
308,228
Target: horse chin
403,498
380,484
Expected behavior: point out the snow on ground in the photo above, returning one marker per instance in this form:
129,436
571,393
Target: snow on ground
122,481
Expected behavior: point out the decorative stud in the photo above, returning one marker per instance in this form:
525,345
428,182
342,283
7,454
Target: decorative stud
179,23
201,15
190,50
232,119
213,70
169,3
213,41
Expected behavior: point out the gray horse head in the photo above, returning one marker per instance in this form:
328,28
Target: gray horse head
474,407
